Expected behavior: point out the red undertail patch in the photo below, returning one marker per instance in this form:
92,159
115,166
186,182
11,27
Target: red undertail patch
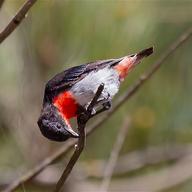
124,67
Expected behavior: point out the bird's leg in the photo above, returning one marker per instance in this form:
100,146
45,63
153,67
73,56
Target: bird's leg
105,106
86,113
104,99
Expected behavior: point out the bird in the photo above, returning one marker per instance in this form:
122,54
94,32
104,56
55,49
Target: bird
74,88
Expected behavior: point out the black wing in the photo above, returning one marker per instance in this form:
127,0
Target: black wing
66,79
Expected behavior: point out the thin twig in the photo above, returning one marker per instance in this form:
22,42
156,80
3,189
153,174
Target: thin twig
16,20
130,92
82,120
158,180
94,100
108,172
1,3
78,149
131,162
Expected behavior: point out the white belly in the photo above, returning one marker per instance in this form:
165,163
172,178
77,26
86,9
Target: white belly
85,89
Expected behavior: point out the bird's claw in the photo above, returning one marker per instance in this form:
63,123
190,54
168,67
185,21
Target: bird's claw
107,105
93,112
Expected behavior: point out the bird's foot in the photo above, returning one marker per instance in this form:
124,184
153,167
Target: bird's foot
105,106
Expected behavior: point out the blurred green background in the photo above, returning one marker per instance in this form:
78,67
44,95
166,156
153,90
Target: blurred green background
58,34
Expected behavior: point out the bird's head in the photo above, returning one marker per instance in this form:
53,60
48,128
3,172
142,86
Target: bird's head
53,126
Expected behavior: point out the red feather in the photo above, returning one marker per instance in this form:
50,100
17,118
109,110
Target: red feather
66,104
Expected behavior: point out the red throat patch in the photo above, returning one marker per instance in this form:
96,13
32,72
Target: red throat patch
67,105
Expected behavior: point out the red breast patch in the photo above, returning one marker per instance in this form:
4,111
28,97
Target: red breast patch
66,104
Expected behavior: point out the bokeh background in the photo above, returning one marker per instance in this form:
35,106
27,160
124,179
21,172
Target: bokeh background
58,34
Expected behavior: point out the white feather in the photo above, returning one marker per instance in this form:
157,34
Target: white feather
85,89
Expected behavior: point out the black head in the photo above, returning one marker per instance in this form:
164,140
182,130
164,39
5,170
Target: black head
53,126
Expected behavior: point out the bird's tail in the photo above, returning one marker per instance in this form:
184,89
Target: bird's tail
144,53
129,62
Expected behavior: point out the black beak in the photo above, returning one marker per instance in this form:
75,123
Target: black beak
71,132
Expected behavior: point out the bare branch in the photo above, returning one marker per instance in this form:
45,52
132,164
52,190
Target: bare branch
153,181
108,172
82,120
16,20
1,3
94,100
127,163
158,180
131,91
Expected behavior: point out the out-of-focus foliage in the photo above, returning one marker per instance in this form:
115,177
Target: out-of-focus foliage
58,34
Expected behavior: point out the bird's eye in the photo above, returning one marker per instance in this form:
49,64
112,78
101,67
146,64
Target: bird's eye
132,55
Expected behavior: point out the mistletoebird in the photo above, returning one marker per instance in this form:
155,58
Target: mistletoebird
75,87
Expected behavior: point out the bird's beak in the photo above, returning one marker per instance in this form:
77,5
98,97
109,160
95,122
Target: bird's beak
73,133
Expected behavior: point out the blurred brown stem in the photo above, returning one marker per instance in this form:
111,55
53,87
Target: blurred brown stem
129,93
136,160
131,162
1,3
110,165
159,179
82,120
16,20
